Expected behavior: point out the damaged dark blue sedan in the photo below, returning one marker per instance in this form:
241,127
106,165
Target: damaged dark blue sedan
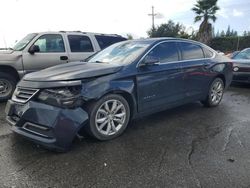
124,81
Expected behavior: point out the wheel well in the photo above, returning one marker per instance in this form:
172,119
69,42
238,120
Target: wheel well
223,79
124,94
10,70
129,99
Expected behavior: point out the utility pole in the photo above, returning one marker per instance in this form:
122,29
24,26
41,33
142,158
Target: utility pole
238,42
153,17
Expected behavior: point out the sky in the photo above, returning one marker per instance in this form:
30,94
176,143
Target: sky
20,17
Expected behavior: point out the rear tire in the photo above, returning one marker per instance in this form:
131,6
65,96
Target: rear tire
108,117
7,86
215,93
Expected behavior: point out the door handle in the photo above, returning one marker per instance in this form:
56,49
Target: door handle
64,58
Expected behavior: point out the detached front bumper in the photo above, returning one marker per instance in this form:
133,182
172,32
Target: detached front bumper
47,125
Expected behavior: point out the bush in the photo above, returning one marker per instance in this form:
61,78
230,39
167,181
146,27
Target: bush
229,44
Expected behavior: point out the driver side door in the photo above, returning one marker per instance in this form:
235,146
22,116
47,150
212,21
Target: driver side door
160,84
51,52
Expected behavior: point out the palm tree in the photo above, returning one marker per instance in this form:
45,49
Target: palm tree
205,10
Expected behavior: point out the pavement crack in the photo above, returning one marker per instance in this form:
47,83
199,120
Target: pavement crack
27,165
227,138
239,140
191,152
164,153
31,162
5,136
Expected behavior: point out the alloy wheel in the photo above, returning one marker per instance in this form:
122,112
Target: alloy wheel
110,117
217,92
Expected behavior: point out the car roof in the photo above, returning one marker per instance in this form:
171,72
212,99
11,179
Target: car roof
160,39
78,32
246,49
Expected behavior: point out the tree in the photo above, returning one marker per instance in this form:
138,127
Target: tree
217,34
205,10
129,37
228,33
169,29
246,33
235,34
222,34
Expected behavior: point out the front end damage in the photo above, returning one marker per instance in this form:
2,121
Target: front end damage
49,117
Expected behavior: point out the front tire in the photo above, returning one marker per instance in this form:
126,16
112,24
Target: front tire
108,117
215,93
7,86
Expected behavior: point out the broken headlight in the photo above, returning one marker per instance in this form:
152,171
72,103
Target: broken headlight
66,97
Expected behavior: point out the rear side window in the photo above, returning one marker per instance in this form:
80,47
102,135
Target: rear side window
50,43
191,51
165,52
105,41
80,43
208,53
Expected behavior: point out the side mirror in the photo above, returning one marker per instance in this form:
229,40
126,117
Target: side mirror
33,49
149,61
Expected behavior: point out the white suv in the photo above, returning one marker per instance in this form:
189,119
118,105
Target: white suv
37,51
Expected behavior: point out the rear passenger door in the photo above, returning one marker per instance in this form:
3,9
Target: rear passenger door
80,47
195,71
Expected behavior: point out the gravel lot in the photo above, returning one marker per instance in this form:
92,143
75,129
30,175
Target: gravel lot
189,146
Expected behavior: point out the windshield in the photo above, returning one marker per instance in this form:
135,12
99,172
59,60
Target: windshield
23,43
244,54
121,53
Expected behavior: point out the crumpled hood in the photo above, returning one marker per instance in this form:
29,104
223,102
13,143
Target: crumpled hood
72,71
9,55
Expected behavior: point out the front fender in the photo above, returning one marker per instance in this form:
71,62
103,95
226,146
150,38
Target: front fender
99,87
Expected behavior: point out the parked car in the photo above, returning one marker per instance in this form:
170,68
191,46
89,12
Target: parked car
241,68
37,51
231,55
127,80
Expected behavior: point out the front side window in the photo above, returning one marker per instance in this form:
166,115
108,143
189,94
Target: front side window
191,51
164,52
50,43
80,43
105,41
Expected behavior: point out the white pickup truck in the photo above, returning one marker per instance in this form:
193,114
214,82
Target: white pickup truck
38,51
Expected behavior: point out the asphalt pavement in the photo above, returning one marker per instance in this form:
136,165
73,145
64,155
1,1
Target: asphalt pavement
189,146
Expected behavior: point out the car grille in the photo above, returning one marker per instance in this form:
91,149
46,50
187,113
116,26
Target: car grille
23,95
